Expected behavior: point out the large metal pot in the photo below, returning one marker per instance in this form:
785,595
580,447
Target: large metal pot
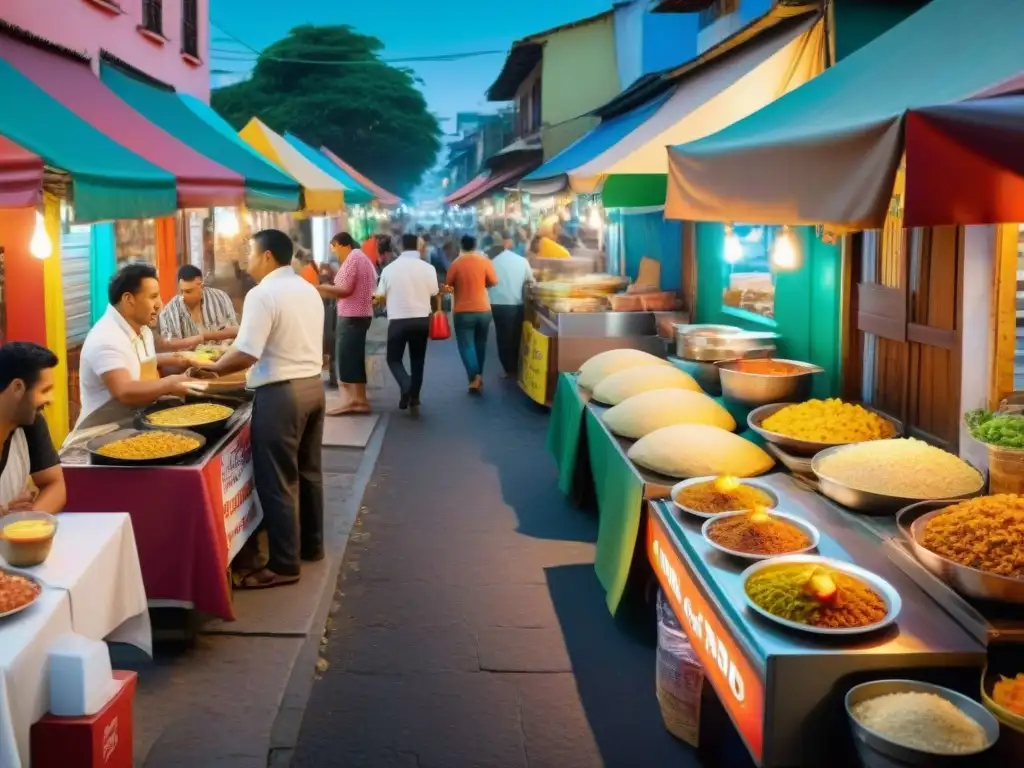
756,389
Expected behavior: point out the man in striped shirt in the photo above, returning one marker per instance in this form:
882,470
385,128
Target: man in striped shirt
197,314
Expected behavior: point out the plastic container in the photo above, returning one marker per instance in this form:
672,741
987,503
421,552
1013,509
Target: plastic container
81,677
679,677
28,548
1005,470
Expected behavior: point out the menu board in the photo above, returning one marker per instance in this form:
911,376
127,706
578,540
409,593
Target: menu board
533,363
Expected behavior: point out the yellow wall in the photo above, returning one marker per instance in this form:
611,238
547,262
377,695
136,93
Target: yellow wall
56,336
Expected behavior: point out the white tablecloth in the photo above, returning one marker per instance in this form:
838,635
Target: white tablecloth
94,558
25,639
93,586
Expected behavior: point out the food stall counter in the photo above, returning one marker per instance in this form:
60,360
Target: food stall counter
784,688
190,519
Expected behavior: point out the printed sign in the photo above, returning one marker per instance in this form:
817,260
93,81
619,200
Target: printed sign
737,683
533,363
241,507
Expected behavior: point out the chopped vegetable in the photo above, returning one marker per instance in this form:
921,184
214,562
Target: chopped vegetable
1009,693
1001,429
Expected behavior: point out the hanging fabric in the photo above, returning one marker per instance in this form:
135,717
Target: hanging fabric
102,266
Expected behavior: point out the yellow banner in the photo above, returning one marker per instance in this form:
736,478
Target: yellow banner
533,364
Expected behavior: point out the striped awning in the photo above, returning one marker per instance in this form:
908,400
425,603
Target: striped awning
21,176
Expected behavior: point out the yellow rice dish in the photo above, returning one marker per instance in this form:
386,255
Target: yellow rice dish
829,421
189,415
149,445
906,468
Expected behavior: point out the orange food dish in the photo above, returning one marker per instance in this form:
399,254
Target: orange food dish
1009,693
767,367
16,592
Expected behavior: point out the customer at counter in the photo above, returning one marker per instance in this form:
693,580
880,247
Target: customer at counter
120,369
281,338
197,314
30,473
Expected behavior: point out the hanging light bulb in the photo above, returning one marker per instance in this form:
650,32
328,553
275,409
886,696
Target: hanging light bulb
594,218
226,222
40,245
785,251
733,251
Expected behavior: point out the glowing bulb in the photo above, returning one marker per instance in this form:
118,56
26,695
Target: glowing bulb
595,218
733,247
785,252
227,224
40,245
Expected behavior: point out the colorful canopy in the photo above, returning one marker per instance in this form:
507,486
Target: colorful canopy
21,176
383,196
200,181
266,187
466,189
554,175
107,180
634,171
828,152
355,193
497,181
321,193
965,163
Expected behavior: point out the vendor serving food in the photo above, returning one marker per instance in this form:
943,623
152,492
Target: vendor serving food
196,315
30,473
120,367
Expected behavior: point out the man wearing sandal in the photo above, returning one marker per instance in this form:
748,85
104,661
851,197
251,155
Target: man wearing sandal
281,337
353,288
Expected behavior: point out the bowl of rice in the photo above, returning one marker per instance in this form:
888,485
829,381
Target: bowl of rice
883,476
906,722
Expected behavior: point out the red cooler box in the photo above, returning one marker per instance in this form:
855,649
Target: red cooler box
103,740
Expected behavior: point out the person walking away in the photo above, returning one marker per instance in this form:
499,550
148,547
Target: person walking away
30,473
514,274
353,289
281,338
470,276
408,284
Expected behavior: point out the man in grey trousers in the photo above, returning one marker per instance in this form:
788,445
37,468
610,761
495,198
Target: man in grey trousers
281,337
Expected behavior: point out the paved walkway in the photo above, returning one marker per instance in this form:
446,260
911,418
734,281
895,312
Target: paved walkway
469,629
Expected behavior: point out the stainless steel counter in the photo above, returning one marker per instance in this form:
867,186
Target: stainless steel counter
598,324
801,678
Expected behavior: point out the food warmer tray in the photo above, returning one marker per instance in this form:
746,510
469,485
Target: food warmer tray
799,679
797,447
210,430
99,460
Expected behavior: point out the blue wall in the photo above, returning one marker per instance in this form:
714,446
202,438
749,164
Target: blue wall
650,235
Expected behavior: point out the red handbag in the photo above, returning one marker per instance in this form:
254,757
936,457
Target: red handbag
439,327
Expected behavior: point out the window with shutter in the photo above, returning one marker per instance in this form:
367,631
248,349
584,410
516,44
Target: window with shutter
190,27
153,16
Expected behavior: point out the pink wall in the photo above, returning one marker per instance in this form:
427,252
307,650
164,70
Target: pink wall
91,26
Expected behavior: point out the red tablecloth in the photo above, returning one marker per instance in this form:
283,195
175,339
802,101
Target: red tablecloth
189,521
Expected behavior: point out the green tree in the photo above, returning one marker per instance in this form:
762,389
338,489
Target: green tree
366,111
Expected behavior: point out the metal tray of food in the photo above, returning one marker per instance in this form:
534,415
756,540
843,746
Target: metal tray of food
886,591
99,459
753,390
10,573
795,445
968,581
209,429
798,465
796,522
869,502
766,489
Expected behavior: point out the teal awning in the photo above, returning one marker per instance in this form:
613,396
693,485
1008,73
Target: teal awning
107,180
266,188
828,152
355,193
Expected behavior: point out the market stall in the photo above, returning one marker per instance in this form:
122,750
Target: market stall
191,515
90,584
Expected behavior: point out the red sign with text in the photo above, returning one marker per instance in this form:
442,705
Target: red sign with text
737,683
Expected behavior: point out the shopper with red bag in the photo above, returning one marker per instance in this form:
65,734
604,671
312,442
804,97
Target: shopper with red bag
470,276
408,286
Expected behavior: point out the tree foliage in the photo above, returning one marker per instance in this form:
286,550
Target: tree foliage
366,111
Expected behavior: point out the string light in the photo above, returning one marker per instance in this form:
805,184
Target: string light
785,254
40,245
733,252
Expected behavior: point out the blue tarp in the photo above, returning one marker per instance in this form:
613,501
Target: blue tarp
600,139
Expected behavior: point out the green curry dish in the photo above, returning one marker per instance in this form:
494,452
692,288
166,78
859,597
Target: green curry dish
1005,430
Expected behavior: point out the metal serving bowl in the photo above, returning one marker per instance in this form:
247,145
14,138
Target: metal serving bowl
795,445
678,487
756,389
27,577
803,525
888,593
967,581
869,502
877,751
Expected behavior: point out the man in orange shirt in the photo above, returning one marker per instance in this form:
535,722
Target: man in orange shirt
470,276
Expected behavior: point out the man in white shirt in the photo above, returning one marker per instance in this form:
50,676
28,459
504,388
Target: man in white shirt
408,285
282,337
120,368
514,274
